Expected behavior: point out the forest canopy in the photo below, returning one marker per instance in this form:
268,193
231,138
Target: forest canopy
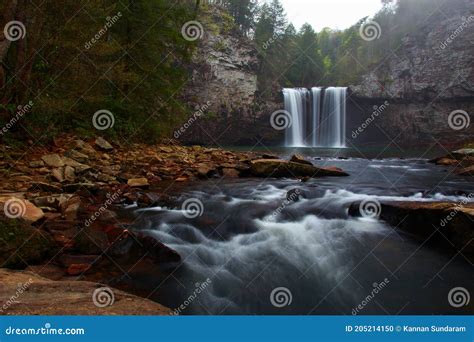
77,58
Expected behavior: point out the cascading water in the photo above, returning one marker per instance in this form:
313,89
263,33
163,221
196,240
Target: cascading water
295,104
332,127
318,118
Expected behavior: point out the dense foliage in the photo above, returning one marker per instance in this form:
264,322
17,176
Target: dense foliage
128,57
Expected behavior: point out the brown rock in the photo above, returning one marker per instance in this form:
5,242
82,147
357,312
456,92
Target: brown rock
283,168
58,174
230,173
298,158
466,171
13,207
69,174
446,161
53,160
70,297
138,183
77,269
103,144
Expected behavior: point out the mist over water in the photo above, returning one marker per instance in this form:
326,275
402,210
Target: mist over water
251,240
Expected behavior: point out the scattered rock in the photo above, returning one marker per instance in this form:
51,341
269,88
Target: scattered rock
103,144
53,160
58,174
138,183
47,187
69,174
14,207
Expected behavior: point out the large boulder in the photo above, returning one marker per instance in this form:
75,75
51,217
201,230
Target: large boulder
446,223
282,168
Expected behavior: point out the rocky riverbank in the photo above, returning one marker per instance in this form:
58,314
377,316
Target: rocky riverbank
61,205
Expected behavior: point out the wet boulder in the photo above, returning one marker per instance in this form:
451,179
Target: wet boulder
281,168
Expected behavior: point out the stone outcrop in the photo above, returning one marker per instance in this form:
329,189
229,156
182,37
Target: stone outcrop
282,168
222,93
445,224
428,77
26,293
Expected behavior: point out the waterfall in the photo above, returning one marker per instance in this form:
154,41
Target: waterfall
296,104
316,92
318,117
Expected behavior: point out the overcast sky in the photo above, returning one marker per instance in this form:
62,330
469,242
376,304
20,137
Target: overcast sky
336,14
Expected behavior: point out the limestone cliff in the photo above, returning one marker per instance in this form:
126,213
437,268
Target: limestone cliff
428,77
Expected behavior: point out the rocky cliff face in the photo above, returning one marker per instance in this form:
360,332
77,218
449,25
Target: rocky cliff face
427,78
223,91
